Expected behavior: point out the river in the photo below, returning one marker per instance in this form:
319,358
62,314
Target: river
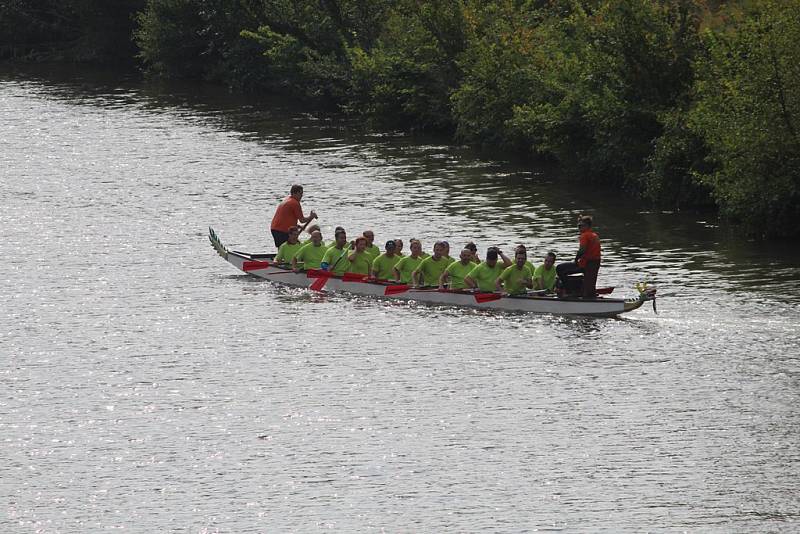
148,386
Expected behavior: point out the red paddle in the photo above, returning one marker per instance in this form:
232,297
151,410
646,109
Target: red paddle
254,265
487,297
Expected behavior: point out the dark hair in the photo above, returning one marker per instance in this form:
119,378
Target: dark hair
491,254
294,229
339,231
553,254
471,246
585,219
296,189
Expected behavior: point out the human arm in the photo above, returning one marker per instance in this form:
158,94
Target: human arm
506,261
443,279
469,282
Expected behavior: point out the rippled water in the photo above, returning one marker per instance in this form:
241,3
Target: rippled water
149,386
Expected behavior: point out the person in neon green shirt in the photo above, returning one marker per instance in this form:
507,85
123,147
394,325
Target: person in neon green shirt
473,248
446,253
372,249
485,275
360,260
335,259
431,268
399,248
544,277
310,254
518,277
288,249
453,275
383,265
407,265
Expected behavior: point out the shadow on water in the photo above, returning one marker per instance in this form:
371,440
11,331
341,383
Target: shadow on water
534,205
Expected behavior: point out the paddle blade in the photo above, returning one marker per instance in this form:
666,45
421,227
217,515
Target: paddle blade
480,298
396,289
319,283
254,265
605,290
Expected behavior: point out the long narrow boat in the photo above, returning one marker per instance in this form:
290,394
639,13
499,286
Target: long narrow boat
261,265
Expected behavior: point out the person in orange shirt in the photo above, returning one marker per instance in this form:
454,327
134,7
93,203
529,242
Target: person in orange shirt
288,214
587,259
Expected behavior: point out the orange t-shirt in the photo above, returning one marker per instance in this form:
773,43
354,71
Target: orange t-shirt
287,214
590,243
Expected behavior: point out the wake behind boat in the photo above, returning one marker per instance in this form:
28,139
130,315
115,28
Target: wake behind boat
263,266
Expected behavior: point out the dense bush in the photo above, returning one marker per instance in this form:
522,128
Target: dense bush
747,109
683,102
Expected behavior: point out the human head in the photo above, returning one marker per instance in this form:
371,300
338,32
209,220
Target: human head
296,191
361,244
473,248
294,234
438,249
491,256
341,237
316,237
520,257
584,222
370,235
549,260
398,246
390,247
416,247
313,228
446,251
466,256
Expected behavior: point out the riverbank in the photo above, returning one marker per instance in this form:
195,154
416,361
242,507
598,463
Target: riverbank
640,96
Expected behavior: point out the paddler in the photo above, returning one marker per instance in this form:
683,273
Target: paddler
335,259
311,253
484,275
473,248
587,259
288,214
310,230
383,265
516,278
407,265
544,277
453,276
372,249
360,260
289,248
431,268
399,247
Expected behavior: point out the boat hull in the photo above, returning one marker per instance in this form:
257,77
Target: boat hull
259,265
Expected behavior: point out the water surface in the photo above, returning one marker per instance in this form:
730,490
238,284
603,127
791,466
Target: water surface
149,386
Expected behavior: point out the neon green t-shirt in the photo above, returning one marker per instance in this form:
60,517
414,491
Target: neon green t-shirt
373,251
286,252
361,263
337,260
383,266
406,266
544,279
485,276
456,272
310,256
514,279
431,270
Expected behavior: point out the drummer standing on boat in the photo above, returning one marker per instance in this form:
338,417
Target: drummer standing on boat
288,214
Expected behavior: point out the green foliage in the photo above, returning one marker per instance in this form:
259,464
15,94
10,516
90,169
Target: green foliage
747,109
681,101
406,79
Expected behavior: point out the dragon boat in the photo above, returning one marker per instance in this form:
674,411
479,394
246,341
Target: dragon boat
262,266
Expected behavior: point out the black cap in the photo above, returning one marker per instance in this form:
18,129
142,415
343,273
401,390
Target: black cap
391,244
